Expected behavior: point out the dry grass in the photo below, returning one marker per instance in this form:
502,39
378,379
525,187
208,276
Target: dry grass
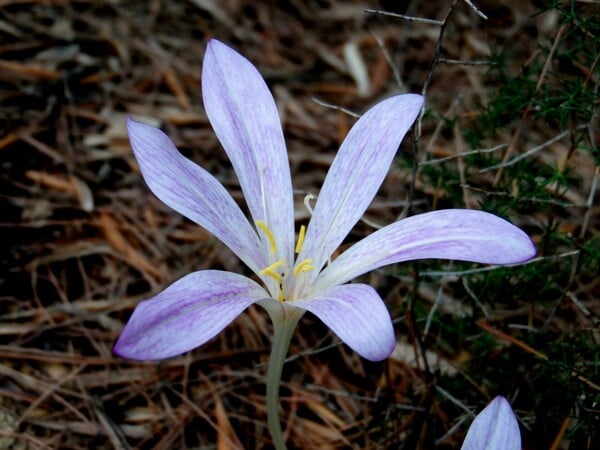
83,239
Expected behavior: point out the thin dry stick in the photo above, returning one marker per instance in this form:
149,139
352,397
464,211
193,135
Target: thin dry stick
561,433
434,63
452,430
480,151
462,62
458,143
589,203
404,17
388,58
548,201
584,309
527,154
335,107
477,10
454,400
416,133
434,307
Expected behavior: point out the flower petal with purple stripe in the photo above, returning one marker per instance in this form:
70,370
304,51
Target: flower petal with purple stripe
193,192
244,116
356,174
457,234
186,314
358,316
494,428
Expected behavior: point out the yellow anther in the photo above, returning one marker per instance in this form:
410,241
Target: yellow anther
303,266
281,297
300,242
271,270
263,226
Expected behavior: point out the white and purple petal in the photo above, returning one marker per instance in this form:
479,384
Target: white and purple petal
193,192
457,234
494,428
357,315
186,314
356,174
244,116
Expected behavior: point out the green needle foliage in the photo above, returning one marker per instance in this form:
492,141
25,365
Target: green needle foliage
546,355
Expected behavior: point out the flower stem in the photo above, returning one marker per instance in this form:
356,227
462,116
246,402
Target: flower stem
284,324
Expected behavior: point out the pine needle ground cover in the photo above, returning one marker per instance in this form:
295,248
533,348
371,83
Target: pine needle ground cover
510,126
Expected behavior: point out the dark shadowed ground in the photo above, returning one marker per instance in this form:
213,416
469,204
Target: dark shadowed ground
83,240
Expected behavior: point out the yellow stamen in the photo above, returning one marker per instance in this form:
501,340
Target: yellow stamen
303,266
263,226
271,270
300,239
281,297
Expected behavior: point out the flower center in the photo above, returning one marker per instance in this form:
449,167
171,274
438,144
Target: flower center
287,286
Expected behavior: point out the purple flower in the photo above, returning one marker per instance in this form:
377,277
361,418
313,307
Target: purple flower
494,428
295,275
